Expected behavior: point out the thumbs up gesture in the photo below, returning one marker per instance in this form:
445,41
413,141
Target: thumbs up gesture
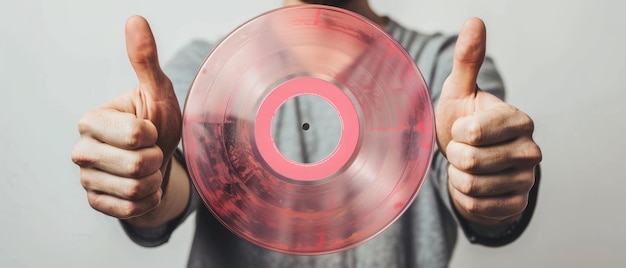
487,142
126,144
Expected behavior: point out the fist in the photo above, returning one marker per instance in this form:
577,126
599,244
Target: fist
125,145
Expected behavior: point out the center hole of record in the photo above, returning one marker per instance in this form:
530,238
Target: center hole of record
306,129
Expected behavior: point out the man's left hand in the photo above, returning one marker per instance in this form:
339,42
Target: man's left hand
487,142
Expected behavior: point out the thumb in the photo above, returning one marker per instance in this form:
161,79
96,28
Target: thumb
155,98
142,53
459,90
469,54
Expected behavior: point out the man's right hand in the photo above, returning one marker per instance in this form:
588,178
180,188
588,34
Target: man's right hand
126,144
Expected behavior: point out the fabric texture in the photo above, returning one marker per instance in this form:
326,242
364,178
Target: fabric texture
424,236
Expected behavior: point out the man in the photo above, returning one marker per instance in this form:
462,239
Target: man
484,177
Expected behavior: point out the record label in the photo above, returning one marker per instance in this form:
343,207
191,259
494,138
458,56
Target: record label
348,132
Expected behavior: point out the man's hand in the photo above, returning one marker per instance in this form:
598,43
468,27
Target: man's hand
487,142
126,144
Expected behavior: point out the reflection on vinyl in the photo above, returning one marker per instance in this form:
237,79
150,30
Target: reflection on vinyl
308,130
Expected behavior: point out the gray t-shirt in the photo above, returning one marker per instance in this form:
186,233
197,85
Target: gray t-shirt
424,236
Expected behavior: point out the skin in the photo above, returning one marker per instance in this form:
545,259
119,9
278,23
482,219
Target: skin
488,142
126,144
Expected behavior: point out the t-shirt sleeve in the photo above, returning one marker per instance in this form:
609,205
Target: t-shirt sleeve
181,70
438,68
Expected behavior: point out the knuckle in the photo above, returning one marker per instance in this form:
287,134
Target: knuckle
80,157
531,153
84,123
130,210
136,190
474,132
527,181
467,185
156,200
468,159
135,136
77,157
92,201
472,187
520,202
143,162
139,189
536,152
472,206
85,180
524,123
138,164
528,123
96,202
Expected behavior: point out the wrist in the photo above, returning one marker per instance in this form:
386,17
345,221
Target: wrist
492,231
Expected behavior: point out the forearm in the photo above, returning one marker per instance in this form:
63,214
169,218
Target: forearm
173,202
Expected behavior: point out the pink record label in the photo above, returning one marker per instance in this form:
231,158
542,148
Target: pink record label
349,129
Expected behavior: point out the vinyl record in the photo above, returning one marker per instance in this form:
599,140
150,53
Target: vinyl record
308,130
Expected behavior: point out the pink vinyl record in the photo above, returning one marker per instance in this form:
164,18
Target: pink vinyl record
308,130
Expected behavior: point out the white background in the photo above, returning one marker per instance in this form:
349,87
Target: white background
564,62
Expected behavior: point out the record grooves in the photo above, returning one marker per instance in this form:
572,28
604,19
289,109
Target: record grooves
308,130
